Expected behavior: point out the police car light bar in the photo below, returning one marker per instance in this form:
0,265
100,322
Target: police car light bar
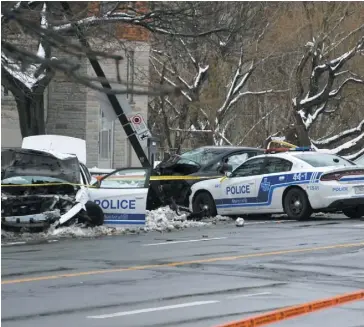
299,148
302,148
276,150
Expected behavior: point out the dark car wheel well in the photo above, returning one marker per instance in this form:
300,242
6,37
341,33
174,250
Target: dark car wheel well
290,188
202,191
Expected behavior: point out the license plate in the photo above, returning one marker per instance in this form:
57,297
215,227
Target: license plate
359,189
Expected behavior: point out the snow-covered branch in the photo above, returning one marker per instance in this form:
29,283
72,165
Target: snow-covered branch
314,102
355,155
344,134
347,145
335,92
154,21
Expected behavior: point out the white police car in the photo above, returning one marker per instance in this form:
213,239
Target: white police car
121,193
297,182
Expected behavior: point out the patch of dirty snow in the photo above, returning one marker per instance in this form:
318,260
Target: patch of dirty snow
161,220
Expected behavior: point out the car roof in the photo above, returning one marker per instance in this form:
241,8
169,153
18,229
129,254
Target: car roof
292,155
231,148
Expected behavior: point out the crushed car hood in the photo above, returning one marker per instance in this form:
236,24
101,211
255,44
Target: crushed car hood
24,162
57,143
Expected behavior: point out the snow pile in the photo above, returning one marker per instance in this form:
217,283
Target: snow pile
165,219
161,220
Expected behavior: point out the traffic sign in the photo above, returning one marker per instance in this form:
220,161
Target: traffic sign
139,125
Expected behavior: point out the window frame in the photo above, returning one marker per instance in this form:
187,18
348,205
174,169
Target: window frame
146,182
233,174
276,158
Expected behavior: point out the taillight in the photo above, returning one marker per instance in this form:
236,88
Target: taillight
338,175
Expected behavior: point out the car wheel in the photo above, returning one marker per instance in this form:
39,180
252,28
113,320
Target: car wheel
296,204
95,213
204,204
354,213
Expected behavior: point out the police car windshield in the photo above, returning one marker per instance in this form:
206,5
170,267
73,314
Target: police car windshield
201,156
323,160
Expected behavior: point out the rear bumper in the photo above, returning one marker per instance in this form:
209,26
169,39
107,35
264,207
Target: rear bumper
346,203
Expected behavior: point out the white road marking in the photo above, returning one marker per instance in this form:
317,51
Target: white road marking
186,241
361,225
28,242
13,243
248,295
168,307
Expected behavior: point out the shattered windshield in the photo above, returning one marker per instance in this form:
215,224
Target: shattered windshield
201,156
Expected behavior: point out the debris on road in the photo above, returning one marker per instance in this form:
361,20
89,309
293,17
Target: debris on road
239,222
161,220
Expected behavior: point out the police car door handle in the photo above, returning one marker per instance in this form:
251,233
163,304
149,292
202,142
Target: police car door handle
139,197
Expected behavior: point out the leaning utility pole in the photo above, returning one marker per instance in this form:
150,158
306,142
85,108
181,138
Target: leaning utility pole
124,121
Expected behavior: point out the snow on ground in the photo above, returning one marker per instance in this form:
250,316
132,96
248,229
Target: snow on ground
161,220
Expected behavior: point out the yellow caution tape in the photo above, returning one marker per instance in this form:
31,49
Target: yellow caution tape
222,179
172,178
122,178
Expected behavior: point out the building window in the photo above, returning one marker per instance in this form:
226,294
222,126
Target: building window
105,138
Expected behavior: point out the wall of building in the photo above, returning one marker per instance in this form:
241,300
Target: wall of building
10,129
74,110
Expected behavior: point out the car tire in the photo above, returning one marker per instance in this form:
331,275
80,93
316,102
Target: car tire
354,213
204,199
95,213
296,204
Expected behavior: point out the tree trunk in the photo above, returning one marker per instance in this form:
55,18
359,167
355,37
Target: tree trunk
30,107
302,133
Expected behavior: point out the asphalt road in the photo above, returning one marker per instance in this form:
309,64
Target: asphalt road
196,277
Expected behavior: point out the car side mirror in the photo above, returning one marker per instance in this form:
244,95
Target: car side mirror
225,167
97,183
228,174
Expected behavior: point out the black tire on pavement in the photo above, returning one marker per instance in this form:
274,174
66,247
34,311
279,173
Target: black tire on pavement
201,200
95,213
296,204
354,213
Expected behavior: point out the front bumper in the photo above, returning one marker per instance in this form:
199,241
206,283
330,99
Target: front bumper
36,221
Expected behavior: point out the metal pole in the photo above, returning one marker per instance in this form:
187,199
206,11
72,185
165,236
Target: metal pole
112,98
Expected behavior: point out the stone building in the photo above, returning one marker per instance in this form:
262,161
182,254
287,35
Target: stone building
74,110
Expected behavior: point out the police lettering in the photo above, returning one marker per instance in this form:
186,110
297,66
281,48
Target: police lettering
116,204
242,189
339,189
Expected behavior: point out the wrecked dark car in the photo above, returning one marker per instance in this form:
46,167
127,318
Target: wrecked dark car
40,189
209,161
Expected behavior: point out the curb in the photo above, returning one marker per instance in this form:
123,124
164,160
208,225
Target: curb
295,311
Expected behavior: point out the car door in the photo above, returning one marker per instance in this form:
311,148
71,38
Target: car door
272,183
122,195
238,192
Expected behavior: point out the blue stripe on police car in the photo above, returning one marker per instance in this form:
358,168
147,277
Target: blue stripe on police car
266,188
